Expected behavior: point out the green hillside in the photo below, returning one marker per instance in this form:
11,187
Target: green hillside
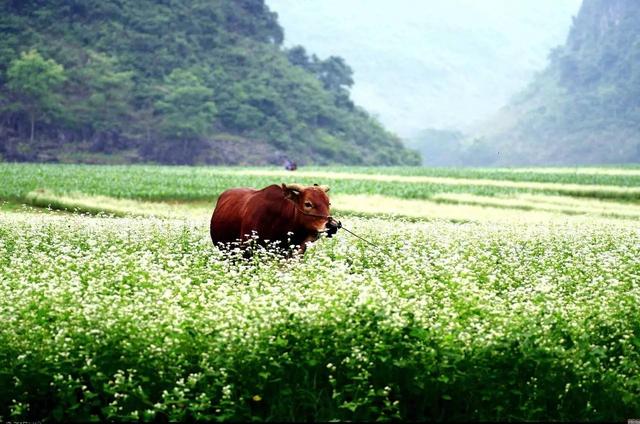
584,108
198,81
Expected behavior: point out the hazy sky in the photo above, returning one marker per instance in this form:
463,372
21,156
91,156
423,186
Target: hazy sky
431,63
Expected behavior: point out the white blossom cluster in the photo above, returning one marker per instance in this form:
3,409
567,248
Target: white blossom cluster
126,318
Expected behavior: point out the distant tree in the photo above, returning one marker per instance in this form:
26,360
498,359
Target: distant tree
106,93
254,19
335,74
33,81
187,107
297,56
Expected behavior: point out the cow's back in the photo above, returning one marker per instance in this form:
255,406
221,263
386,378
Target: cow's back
268,215
226,220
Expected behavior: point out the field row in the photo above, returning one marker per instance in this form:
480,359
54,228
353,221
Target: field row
586,190
446,206
620,176
199,184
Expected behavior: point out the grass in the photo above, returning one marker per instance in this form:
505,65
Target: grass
79,202
505,314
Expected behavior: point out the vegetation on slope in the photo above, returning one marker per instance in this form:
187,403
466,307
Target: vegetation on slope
585,107
201,81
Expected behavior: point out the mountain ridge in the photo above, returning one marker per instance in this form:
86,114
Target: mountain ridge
182,82
584,108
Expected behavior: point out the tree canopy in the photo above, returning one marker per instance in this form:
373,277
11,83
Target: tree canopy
170,81
33,82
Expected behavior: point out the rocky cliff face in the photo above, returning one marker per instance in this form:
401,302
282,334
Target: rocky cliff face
597,18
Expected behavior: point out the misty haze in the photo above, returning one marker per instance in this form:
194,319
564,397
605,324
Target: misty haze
429,64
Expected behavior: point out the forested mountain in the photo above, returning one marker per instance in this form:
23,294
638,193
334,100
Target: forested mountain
175,81
584,108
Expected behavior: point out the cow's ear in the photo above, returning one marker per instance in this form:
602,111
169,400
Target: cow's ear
290,192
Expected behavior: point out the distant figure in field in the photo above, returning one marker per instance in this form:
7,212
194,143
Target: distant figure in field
290,165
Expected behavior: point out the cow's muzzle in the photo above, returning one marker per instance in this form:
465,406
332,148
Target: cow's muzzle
332,226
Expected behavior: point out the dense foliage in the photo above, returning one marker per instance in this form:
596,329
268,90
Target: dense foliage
199,81
585,107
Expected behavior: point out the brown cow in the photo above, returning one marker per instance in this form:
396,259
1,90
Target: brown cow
290,214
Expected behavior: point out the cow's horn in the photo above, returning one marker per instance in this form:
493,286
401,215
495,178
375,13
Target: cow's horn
296,187
321,187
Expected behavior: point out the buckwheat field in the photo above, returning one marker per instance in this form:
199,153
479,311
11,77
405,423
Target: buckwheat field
500,294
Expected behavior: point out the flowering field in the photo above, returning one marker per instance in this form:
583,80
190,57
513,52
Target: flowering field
140,317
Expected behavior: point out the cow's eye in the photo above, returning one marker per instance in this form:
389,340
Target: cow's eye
308,204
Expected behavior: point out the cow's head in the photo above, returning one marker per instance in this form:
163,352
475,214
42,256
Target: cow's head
312,202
